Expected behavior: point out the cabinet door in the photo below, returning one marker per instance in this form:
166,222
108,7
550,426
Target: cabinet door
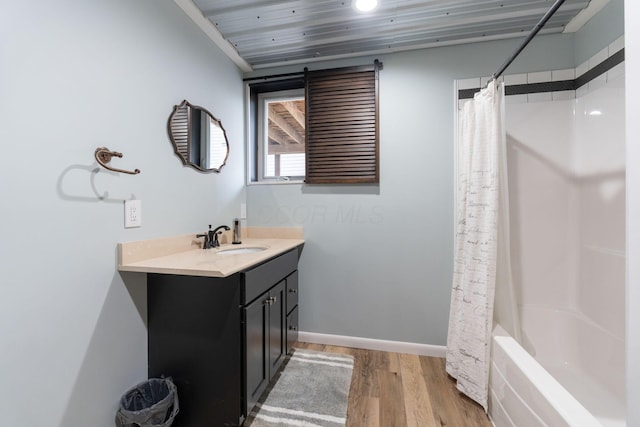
256,318
277,327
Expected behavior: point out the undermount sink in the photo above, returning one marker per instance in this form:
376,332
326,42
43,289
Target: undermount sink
236,251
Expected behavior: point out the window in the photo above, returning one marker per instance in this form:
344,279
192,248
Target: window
322,128
281,135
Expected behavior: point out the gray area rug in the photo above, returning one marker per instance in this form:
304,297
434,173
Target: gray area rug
313,390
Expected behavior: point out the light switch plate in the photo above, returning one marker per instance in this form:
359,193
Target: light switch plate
132,213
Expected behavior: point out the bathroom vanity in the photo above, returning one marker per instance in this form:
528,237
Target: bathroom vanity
223,331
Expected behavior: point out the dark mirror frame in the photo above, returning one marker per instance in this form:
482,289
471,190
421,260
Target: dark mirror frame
185,161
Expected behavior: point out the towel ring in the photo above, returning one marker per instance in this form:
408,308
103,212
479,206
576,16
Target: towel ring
103,156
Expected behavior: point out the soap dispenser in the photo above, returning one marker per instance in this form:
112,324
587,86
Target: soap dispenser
236,231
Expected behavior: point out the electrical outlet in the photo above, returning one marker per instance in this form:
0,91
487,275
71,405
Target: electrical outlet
132,213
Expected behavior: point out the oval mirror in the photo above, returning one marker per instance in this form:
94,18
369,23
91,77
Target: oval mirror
198,138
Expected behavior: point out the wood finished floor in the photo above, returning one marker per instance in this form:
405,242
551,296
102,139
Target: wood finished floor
393,389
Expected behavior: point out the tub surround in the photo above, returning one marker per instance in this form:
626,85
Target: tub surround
567,248
555,85
523,393
183,255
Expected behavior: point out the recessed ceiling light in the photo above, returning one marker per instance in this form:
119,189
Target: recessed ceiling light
364,5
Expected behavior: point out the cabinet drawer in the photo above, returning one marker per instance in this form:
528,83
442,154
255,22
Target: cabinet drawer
261,278
292,291
292,329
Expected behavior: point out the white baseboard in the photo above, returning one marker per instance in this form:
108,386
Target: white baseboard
372,344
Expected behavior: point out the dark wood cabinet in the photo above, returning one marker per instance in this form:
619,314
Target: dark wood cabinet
265,329
194,336
256,366
265,342
221,339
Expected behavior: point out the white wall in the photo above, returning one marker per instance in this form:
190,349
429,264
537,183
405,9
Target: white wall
632,59
74,76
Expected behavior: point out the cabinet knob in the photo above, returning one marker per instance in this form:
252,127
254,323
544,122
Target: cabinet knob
293,328
293,291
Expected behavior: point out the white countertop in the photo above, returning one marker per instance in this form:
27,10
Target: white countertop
182,255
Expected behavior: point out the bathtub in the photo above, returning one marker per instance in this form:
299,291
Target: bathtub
570,373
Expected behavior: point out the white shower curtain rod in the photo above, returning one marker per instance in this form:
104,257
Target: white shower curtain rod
530,37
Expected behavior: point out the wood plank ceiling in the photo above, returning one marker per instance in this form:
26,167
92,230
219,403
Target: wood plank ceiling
269,33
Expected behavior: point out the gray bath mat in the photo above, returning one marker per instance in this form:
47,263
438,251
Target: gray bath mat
313,390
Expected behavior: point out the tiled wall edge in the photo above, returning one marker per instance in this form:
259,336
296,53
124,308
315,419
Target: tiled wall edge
556,75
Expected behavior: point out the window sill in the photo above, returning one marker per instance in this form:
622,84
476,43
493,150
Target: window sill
283,182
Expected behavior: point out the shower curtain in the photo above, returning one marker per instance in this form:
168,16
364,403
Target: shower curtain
481,168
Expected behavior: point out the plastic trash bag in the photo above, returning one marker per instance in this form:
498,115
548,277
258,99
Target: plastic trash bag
152,403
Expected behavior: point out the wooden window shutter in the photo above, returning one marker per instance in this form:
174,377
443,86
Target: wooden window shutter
342,126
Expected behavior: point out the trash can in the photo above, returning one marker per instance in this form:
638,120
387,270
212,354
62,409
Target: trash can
152,403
